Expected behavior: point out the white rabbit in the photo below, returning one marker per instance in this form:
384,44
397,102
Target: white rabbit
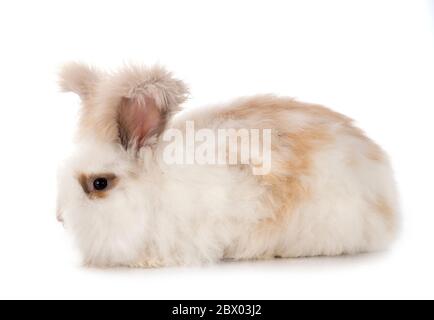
328,189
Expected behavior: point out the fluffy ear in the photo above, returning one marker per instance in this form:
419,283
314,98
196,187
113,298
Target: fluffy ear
139,120
149,96
79,78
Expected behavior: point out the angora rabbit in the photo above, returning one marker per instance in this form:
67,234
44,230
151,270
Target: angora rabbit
257,178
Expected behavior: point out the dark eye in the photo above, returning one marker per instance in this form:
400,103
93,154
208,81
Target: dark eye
100,184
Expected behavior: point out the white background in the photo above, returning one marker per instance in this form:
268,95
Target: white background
372,60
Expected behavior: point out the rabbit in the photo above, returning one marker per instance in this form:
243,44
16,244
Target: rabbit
328,190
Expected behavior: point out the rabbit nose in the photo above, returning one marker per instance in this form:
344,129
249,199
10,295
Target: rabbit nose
59,216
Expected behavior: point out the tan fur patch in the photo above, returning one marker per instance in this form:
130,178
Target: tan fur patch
270,107
374,152
382,206
285,183
292,149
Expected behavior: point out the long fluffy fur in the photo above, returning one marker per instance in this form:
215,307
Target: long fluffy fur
330,192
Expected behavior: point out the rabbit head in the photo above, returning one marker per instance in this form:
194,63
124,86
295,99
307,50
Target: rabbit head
104,194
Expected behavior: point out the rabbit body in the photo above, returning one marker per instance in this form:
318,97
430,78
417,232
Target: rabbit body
329,189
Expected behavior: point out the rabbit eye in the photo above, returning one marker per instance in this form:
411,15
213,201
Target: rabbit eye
100,184
97,185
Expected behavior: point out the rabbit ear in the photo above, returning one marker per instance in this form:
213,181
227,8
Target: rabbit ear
149,96
79,78
139,120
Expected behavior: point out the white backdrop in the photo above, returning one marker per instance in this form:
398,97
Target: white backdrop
371,60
